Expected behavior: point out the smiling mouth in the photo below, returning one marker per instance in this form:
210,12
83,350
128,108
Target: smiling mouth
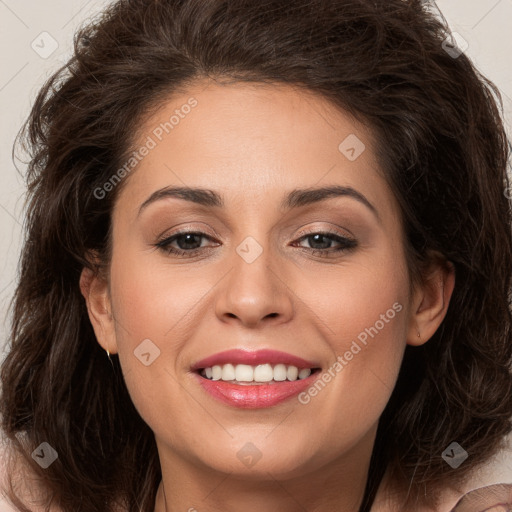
244,374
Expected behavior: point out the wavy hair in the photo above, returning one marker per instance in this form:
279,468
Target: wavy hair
440,142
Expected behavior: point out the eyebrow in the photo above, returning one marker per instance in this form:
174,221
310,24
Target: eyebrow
295,199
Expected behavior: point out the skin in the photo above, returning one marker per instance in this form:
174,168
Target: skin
253,144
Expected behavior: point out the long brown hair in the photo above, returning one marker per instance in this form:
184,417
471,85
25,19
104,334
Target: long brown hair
440,142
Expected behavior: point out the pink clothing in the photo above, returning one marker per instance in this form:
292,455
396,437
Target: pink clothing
492,498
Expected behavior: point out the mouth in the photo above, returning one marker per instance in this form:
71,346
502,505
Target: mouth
252,380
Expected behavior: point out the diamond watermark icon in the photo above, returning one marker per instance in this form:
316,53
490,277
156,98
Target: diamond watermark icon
44,45
352,147
146,352
455,455
44,455
249,249
454,45
249,455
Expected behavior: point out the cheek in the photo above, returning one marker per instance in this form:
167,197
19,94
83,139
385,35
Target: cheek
360,296
151,309
363,312
368,307
150,300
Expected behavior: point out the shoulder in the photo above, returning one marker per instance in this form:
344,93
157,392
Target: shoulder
496,496
489,488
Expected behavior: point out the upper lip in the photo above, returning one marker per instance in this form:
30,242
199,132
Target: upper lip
253,358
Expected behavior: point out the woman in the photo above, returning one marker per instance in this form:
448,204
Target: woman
267,266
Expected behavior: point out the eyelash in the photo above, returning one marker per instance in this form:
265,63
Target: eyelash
346,243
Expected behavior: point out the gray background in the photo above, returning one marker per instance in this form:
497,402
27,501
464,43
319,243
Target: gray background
29,31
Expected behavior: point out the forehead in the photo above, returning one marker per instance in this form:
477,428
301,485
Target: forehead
251,142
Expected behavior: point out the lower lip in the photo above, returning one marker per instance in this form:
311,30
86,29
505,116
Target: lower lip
258,396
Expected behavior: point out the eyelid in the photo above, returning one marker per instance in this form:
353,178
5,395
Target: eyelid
345,233
187,228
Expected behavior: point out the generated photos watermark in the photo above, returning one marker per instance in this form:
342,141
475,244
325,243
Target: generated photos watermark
355,348
150,143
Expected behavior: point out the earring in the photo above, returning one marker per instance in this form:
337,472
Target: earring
109,358
419,334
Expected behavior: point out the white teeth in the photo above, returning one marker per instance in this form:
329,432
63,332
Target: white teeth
263,373
243,373
260,373
228,372
279,372
292,373
305,372
216,372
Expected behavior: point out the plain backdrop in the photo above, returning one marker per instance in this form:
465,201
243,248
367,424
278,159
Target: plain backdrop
36,37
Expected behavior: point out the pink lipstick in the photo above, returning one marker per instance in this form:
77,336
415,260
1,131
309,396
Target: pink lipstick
254,379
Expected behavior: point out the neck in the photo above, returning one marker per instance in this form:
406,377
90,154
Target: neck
191,486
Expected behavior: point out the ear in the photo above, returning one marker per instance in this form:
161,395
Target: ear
94,288
431,299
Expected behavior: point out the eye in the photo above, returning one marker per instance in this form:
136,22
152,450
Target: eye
189,243
324,239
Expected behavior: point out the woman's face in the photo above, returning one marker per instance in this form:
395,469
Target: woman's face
272,266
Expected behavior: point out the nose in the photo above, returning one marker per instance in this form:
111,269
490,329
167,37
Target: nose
255,292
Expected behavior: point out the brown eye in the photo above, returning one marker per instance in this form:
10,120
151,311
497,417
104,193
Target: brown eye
325,240
189,243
